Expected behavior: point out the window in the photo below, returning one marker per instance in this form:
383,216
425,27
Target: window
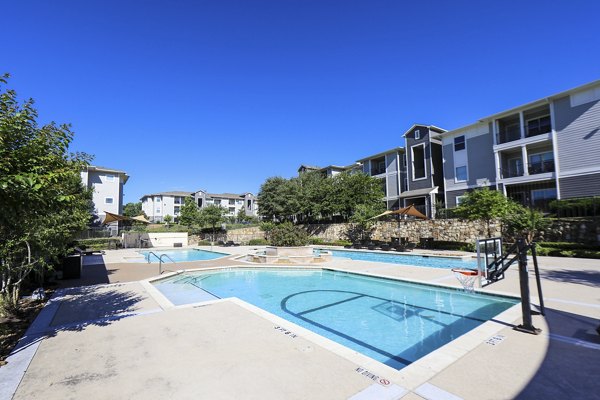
541,162
541,197
110,178
157,199
232,210
176,210
459,143
459,199
249,206
200,203
404,160
217,202
108,200
418,162
538,126
417,134
461,174
231,202
177,200
158,210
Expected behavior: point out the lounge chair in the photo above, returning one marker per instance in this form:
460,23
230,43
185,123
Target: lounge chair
410,246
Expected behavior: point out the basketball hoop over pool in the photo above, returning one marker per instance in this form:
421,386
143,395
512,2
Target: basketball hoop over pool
466,277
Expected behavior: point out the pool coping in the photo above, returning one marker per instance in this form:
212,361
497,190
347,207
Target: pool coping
402,253
409,377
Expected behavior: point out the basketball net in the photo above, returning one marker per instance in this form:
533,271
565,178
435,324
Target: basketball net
466,277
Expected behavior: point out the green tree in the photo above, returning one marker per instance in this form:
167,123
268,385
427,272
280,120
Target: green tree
189,214
133,209
485,205
212,216
279,199
354,189
168,219
363,222
524,222
42,199
316,196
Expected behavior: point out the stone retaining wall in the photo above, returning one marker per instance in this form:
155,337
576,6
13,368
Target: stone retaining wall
456,230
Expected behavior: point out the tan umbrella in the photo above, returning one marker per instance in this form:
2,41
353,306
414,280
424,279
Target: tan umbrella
110,217
410,210
141,218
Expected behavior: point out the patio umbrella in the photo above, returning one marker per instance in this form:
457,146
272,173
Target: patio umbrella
110,217
410,210
140,218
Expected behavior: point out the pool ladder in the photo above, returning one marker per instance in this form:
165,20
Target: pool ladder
160,260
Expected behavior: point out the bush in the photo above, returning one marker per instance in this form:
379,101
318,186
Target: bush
322,242
203,243
565,249
258,242
589,206
316,240
95,244
288,235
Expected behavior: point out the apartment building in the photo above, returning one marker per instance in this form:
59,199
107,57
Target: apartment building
232,202
330,170
424,171
107,185
390,167
158,205
544,150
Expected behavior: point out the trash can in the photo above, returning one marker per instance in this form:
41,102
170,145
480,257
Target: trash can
71,267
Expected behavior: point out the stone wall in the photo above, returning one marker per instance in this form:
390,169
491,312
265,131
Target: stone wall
456,230
439,229
576,230
244,235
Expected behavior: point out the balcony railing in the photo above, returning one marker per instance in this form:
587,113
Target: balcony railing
510,172
377,171
508,135
541,167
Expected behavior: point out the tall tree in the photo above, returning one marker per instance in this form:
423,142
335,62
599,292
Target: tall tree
279,199
354,189
189,214
485,205
42,199
133,209
212,216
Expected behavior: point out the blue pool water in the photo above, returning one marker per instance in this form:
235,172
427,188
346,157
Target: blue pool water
394,258
182,255
391,321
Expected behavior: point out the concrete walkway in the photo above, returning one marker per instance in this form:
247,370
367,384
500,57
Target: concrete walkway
120,341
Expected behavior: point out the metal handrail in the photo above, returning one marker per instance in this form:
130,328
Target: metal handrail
152,253
160,271
160,260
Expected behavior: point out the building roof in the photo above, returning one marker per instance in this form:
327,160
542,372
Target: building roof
399,149
308,167
175,193
98,168
434,128
543,100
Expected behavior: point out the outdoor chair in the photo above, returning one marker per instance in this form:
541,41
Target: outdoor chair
410,246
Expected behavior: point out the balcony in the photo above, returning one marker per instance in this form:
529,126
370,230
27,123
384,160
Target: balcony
541,167
508,134
511,172
538,126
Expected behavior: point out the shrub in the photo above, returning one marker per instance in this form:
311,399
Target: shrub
316,240
288,235
203,243
94,244
258,242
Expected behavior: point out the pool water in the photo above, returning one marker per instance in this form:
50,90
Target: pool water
393,258
394,322
181,255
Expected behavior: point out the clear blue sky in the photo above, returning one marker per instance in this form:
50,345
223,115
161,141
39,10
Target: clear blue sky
221,94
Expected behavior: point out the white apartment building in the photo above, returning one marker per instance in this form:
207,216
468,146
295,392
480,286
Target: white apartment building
107,185
157,205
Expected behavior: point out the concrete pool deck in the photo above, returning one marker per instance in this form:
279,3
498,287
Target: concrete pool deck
118,340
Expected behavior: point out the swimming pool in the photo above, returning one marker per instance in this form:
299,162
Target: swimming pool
394,258
180,255
394,322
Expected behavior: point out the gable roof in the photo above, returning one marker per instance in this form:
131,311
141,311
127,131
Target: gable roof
434,128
